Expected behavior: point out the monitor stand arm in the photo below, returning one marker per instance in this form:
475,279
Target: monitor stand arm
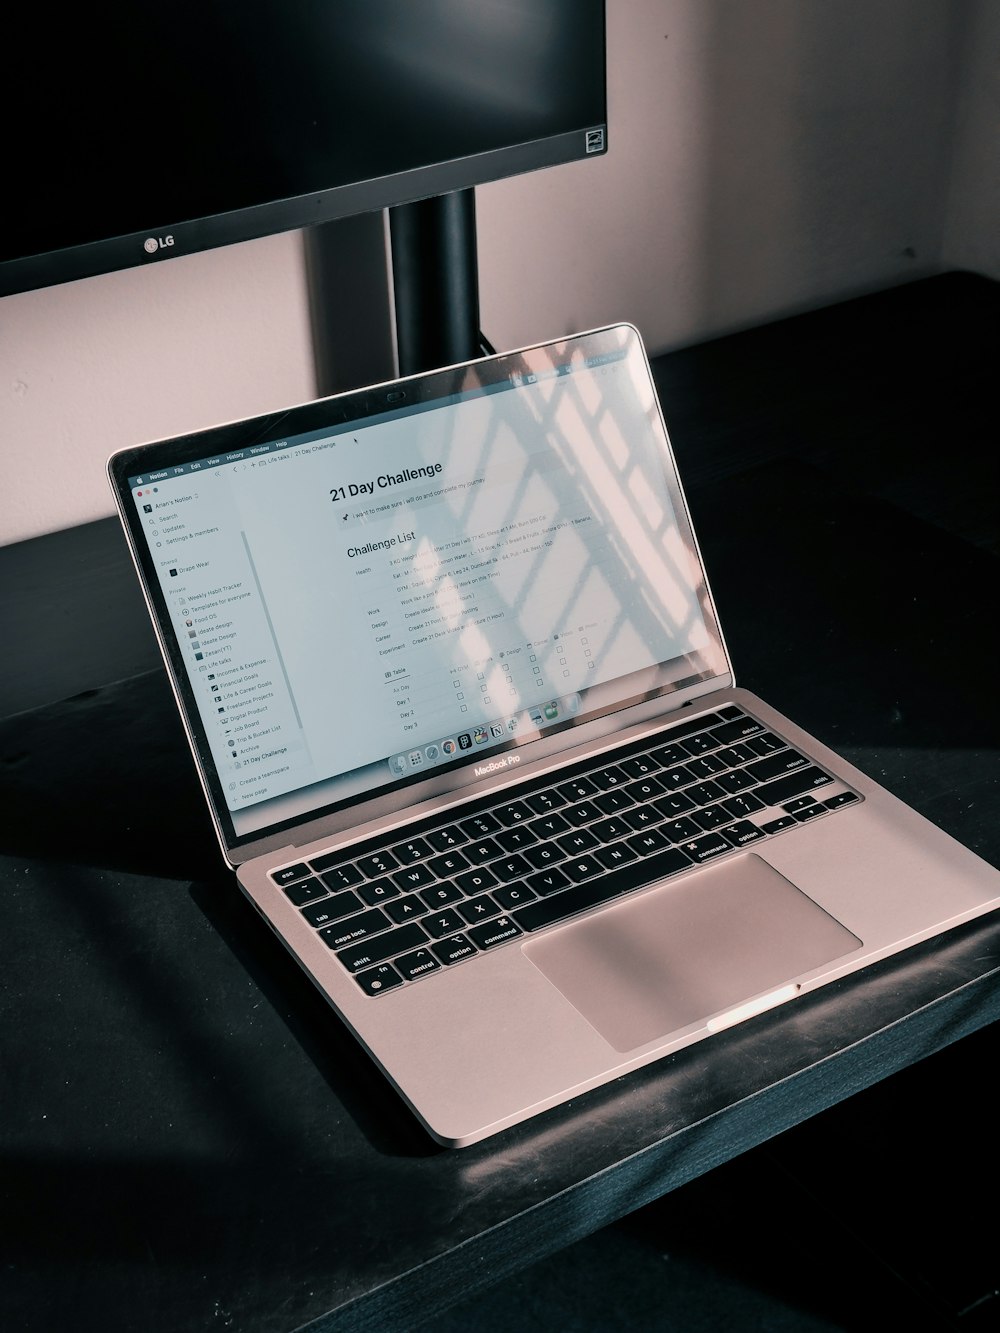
433,286
435,281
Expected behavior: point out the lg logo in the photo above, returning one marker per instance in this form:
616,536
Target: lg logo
154,243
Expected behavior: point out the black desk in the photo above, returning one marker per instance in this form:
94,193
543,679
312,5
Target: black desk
190,1140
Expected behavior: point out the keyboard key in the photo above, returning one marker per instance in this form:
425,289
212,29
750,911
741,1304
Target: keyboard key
677,803
735,754
646,789
584,812
703,849
513,839
417,964
711,817
643,816
476,880
416,849
704,792
439,924
405,909
699,744
618,854
610,885
478,826
575,843
606,778
342,904
360,927
776,764
669,754
737,730
510,868
641,766
440,895
378,864
377,950
444,839
680,776
706,766
377,891
738,835
800,803
547,881
736,780
453,950
779,825
549,826
544,802
679,830
545,854
478,909
577,789
783,789
618,826
318,914
742,806
582,867
495,932
647,843
510,896
306,891
483,850
287,873
448,866
378,979
414,877
766,743
810,812
341,877
842,798
514,812
609,802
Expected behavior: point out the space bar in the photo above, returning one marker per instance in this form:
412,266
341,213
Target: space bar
600,890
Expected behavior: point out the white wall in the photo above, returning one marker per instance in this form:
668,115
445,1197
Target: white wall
765,156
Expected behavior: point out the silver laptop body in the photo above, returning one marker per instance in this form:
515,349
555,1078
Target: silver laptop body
464,717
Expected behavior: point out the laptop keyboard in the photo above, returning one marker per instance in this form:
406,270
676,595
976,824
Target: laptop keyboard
396,909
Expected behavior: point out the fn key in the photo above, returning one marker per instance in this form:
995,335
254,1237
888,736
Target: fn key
378,979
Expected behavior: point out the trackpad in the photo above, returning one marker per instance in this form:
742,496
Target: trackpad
695,948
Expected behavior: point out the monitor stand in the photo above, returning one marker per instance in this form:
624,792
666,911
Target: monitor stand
373,318
435,281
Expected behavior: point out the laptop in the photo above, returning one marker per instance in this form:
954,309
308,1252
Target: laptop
465,721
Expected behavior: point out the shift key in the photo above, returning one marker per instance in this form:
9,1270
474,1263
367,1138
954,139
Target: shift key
794,784
381,947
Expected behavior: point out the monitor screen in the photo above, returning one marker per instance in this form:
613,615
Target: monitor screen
143,132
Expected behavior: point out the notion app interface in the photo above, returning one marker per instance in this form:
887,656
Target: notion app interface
376,602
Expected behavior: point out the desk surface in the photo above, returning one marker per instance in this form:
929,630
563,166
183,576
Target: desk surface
192,1141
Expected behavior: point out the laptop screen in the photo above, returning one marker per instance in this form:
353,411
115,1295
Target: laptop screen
415,581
